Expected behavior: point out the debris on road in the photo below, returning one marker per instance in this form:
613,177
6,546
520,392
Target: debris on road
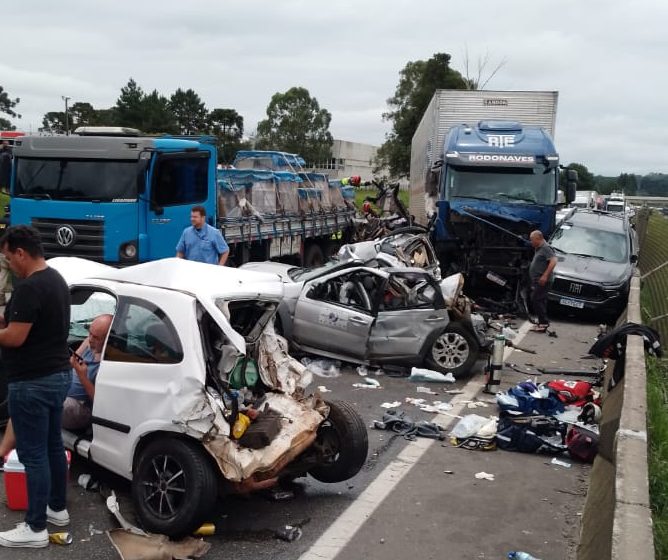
61,538
396,421
560,463
482,475
323,389
474,432
394,404
322,367
368,383
421,375
289,533
426,390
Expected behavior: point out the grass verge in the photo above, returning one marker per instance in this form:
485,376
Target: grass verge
657,406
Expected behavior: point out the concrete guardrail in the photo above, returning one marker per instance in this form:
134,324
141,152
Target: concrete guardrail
617,519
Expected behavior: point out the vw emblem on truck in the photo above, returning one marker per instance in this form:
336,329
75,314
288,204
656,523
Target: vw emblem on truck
65,236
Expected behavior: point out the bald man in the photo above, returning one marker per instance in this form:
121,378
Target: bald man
78,405
542,265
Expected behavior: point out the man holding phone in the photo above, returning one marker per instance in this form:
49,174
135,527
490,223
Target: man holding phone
78,406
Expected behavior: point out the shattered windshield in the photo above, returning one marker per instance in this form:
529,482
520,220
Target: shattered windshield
508,185
82,179
590,242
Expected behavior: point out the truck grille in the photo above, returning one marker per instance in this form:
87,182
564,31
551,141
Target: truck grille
85,238
580,290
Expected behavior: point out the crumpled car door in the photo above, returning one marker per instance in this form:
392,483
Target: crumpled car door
330,326
412,310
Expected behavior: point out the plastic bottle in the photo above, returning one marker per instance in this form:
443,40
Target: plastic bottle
240,425
519,555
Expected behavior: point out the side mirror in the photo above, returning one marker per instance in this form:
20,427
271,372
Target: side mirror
434,178
634,259
571,188
142,168
572,175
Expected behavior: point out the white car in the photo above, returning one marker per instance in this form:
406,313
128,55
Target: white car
190,346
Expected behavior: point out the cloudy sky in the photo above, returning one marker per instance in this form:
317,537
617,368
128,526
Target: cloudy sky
606,58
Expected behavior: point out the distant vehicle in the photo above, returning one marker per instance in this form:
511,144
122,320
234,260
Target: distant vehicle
616,203
587,199
597,253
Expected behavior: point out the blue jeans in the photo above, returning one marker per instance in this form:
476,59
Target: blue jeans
36,409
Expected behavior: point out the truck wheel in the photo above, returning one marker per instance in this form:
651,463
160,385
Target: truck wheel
342,442
455,349
174,487
313,256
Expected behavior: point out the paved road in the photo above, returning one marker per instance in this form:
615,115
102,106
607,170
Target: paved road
402,504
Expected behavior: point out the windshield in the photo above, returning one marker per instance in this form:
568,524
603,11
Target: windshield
590,242
506,185
82,179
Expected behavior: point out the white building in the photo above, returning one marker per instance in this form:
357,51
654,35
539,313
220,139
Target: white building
348,158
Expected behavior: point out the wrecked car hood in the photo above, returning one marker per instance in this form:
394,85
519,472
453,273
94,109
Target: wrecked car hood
270,267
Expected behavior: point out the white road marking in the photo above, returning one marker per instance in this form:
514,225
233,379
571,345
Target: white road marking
344,528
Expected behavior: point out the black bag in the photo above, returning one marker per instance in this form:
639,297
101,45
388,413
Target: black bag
530,434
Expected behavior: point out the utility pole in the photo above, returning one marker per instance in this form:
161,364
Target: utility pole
67,119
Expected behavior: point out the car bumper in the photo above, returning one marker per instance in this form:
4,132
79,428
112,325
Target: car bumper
612,304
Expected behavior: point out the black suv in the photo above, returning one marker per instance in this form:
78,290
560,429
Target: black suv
597,253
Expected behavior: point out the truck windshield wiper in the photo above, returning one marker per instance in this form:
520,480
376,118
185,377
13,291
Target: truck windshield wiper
39,196
600,258
513,197
470,196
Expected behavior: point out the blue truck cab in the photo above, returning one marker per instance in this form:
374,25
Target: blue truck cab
496,182
119,198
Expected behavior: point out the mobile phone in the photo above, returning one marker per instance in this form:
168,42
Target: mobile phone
73,353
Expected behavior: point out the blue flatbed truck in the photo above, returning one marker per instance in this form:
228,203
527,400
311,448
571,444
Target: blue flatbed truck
114,196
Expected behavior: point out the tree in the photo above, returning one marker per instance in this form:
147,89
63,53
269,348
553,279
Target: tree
129,110
228,127
7,105
189,111
295,123
53,122
417,84
82,114
627,184
157,115
585,177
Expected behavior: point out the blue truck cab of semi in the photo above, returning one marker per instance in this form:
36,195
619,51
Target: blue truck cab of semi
118,198
495,183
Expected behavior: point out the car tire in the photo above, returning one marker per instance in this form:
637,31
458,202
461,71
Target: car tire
454,350
189,487
343,439
313,256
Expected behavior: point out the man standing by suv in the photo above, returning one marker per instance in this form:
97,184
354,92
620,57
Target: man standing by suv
540,270
36,357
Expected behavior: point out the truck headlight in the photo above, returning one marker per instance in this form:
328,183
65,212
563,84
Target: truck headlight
129,251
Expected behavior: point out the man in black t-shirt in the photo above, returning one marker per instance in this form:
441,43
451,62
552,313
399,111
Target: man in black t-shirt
33,338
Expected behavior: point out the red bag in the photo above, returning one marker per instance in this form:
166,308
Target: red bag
582,444
572,392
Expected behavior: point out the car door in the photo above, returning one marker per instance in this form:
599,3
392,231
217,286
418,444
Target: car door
411,311
335,313
140,384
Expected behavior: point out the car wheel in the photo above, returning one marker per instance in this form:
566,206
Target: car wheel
342,442
313,256
174,487
455,349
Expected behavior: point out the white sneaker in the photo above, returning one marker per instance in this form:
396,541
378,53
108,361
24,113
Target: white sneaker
24,536
60,518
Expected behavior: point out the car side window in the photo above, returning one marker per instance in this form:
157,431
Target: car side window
357,290
141,332
87,304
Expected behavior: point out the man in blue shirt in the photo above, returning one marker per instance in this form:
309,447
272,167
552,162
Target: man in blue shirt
202,242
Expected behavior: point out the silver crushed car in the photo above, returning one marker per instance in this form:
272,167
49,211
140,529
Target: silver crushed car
370,315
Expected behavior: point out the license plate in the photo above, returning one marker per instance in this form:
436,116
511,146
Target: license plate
568,302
